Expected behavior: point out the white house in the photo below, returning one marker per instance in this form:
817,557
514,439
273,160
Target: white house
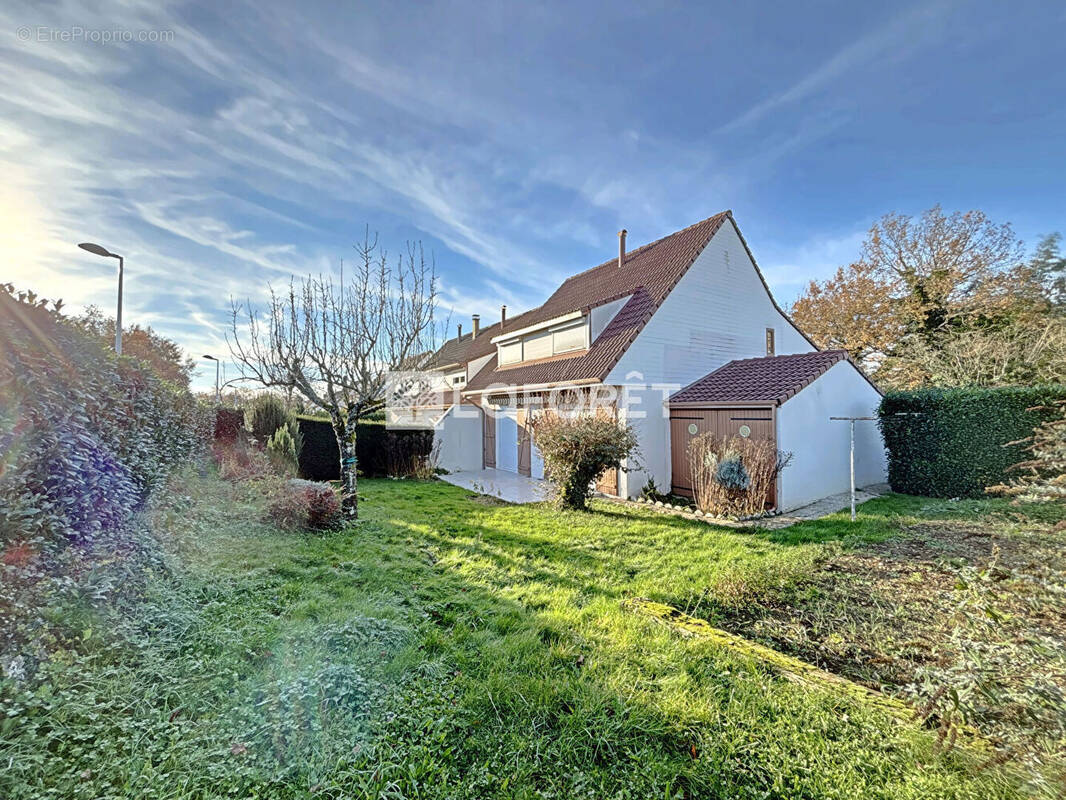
673,337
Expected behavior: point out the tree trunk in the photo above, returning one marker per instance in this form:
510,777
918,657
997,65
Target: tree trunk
345,433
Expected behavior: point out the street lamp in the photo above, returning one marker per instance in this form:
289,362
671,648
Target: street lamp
218,391
102,251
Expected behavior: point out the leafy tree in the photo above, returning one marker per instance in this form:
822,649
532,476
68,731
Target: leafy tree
162,355
578,449
1049,268
945,299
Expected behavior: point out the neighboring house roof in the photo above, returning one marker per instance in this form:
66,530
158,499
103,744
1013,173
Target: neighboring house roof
451,352
771,379
647,277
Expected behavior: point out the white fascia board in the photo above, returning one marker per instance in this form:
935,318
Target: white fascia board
548,323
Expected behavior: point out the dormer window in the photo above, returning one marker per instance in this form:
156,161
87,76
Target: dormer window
511,352
569,334
570,337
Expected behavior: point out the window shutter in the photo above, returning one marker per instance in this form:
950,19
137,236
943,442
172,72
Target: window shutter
572,338
539,345
511,352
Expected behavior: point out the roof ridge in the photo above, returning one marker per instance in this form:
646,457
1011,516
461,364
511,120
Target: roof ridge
727,213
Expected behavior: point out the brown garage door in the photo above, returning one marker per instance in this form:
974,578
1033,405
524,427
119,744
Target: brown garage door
524,443
688,423
488,439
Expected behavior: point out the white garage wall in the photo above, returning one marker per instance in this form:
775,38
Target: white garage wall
819,446
458,440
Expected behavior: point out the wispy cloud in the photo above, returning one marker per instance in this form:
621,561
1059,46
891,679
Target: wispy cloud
260,139
911,29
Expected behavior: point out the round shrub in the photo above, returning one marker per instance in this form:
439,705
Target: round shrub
304,505
578,449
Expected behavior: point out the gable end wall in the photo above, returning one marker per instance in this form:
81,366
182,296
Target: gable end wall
719,311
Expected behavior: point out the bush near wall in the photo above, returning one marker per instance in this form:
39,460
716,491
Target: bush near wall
381,452
955,442
85,436
229,422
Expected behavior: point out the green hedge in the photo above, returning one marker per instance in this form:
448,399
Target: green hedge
952,442
380,452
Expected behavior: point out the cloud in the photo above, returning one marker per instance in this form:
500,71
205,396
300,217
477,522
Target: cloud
906,32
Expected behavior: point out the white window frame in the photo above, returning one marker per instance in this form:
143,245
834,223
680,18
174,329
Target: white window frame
500,349
582,323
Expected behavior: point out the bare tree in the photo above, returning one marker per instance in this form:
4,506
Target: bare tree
334,341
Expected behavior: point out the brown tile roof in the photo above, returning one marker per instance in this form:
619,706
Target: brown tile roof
771,380
648,275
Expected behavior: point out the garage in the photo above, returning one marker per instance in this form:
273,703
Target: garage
686,424
788,400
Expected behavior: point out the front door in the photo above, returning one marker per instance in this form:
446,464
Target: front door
524,442
507,439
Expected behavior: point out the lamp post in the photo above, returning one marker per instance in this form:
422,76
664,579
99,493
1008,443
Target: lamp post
103,251
218,390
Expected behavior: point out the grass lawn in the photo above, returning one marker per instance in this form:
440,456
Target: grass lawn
449,646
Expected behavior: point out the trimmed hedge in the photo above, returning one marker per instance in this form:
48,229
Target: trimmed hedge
380,452
953,442
85,435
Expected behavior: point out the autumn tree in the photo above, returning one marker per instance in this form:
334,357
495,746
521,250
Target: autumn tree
334,341
162,355
944,298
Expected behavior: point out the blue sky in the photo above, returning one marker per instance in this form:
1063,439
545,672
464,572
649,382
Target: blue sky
515,140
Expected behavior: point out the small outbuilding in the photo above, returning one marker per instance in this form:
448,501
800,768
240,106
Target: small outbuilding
788,400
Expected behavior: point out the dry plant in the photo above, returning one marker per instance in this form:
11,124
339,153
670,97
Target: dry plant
734,476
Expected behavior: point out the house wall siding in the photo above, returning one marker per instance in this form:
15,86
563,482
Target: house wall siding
718,312
457,438
819,446
601,315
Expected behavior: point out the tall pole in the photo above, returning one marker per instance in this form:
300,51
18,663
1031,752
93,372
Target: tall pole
218,386
852,470
118,315
851,455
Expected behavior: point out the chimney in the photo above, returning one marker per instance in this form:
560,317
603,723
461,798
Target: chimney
460,327
621,247
503,316
476,319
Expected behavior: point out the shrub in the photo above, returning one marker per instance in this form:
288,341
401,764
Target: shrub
380,452
578,449
955,442
305,505
86,434
228,424
1043,473
734,476
266,415
284,448
85,437
241,461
